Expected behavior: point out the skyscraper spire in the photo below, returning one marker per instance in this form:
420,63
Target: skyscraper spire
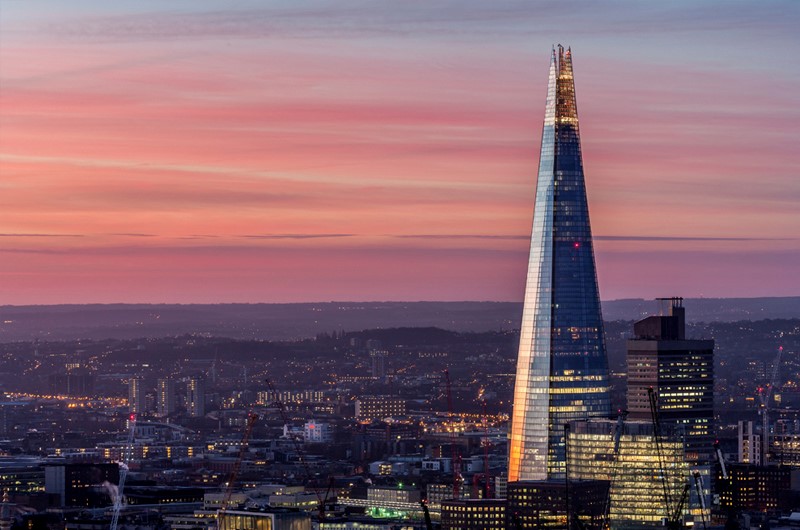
562,369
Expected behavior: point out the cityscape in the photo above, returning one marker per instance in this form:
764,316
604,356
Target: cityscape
172,356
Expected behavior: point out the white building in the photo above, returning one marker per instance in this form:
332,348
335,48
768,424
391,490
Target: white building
317,432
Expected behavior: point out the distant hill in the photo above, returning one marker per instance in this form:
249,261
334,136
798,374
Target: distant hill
296,321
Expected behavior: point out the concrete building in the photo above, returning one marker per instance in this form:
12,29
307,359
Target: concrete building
749,444
136,396
370,408
317,432
165,397
196,397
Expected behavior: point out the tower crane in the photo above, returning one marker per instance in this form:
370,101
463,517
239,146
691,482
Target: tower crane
618,430
457,478
125,458
321,502
674,514
237,466
765,395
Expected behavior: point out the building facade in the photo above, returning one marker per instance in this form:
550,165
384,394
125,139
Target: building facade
754,488
749,443
370,408
165,397
196,397
681,372
629,460
562,369
136,395
545,504
477,514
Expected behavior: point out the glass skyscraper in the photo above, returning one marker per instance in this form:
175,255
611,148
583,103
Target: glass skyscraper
562,369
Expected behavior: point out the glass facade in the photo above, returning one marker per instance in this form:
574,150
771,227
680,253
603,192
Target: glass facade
637,484
562,369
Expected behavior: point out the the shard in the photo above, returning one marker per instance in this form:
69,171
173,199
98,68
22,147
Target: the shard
562,368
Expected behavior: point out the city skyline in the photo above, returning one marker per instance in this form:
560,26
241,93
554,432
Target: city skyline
273,153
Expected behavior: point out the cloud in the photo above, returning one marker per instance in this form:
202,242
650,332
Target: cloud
468,18
296,236
459,236
41,235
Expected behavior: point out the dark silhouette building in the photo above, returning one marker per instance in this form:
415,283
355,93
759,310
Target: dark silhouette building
680,371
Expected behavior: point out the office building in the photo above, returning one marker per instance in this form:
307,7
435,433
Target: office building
477,514
274,519
165,397
680,371
81,484
562,369
754,488
545,504
631,467
370,408
196,397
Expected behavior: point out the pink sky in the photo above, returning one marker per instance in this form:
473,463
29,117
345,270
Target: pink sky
388,151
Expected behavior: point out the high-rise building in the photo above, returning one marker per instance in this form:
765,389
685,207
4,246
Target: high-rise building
680,371
630,458
196,397
749,443
378,358
136,395
165,396
562,369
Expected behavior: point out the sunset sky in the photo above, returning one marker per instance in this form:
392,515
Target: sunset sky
279,151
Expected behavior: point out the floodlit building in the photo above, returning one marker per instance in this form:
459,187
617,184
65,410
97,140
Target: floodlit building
634,475
264,520
562,368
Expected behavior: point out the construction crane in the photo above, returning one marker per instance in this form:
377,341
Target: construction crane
427,514
298,448
486,443
674,514
237,465
765,395
618,430
125,458
721,460
698,486
457,478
